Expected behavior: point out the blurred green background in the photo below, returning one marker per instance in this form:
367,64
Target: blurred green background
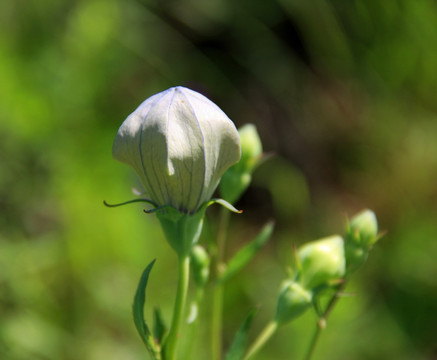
343,94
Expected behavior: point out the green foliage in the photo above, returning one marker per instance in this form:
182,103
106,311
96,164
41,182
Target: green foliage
138,314
159,327
247,253
238,347
342,92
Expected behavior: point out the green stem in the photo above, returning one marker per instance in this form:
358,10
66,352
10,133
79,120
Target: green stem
218,292
321,324
179,306
260,341
217,324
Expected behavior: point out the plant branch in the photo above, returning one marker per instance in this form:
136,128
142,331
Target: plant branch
260,341
179,306
321,324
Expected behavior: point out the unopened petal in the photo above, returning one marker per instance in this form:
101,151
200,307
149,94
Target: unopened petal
180,143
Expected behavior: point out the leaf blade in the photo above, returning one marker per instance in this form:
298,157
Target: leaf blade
244,255
238,346
138,314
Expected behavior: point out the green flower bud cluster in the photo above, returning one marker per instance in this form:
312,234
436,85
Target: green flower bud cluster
238,177
324,263
361,235
321,264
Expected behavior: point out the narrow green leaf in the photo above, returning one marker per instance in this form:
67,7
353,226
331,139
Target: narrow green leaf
138,314
159,329
244,255
238,347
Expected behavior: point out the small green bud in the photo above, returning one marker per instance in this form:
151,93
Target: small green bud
363,227
293,301
180,144
361,235
200,262
251,146
321,261
237,178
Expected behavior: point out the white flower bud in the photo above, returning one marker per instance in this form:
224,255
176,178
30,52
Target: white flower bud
180,144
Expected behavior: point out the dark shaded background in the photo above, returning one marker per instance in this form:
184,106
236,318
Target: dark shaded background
342,92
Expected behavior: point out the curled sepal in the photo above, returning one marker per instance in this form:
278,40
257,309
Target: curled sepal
130,202
138,314
238,347
244,255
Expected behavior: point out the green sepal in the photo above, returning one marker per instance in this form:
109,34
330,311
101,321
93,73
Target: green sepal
238,347
182,230
293,301
244,255
159,327
329,285
225,204
356,256
138,314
